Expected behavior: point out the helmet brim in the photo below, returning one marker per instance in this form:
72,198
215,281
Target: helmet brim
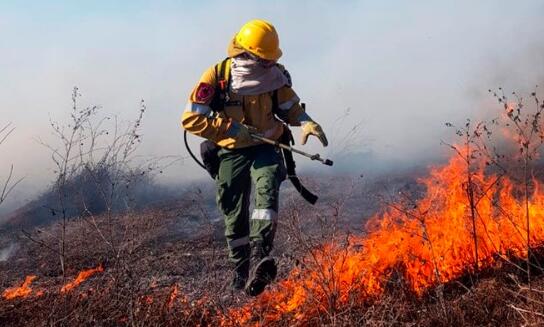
235,49
275,56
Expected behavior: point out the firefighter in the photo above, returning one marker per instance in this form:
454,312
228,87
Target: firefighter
249,92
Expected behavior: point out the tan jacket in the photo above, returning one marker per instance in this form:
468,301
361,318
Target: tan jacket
252,110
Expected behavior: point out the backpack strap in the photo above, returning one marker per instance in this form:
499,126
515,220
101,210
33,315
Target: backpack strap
275,103
290,165
222,73
222,76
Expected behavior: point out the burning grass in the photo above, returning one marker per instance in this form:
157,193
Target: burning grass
425,244
414,265
25,289
19,291
81,277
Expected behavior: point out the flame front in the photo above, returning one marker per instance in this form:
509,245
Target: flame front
22,291
430,243
81,277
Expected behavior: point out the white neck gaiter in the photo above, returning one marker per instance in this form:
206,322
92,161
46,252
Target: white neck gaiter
249,77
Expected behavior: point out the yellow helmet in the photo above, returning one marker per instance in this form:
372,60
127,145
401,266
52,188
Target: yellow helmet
260,38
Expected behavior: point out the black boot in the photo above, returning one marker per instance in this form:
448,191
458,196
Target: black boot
264,270
241,273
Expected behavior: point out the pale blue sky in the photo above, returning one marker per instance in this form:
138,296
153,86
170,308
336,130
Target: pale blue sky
403,67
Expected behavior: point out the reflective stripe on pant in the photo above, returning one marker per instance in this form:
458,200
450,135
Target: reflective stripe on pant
262,165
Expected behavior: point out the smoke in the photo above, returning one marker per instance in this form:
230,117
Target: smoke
8,251
402,69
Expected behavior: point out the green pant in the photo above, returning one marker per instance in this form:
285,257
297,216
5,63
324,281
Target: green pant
262,165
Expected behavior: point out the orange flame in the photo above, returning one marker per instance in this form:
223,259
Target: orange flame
81,277
427,243
173,295
22,291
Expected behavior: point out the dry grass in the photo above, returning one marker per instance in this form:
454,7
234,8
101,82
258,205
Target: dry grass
170,269
137,289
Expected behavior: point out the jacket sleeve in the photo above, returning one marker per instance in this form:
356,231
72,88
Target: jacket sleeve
289,108
198,117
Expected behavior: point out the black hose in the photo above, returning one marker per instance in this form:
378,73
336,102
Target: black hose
191,152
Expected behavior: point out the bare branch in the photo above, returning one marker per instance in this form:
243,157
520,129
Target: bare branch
5,132
8,185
